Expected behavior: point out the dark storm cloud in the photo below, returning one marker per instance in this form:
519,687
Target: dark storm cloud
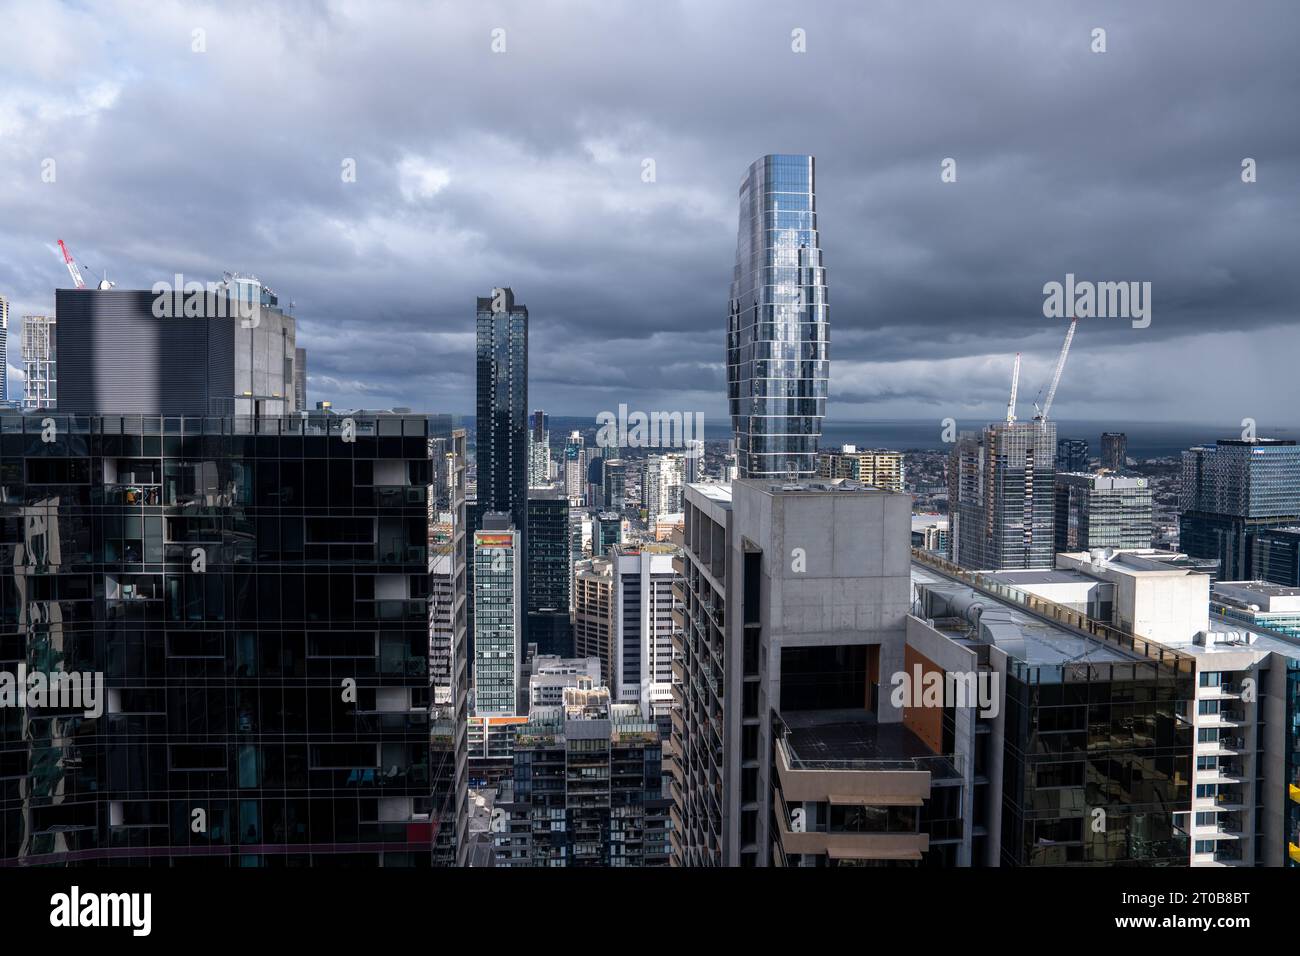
477,169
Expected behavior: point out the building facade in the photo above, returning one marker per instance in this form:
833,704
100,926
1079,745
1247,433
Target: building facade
1072,455
550,573
1231,492
40,362
1103,511
1114,451
778,323
1001,496
253,595
586,788
116,356
498,617
878,467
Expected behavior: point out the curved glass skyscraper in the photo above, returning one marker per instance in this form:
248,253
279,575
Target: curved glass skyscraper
778,362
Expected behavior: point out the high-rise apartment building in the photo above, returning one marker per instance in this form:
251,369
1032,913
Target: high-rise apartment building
498,617
778,324
448,644
539,449
593,614
1001,496
663,478
1103,511
1233,490
878,467
803,735
224,577
40,362
575,467
1072,455
586,788
1114,451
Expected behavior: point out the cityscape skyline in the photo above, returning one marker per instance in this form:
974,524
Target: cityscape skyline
921,301
303,570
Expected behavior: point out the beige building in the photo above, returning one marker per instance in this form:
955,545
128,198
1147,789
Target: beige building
871,466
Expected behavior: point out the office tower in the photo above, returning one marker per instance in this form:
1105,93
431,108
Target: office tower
4,350
1102,511
1114,450
623,617
778,323
230,577
1275,555
575,467
1232,491
586,787
40,362
118,357
606,533
615,490
448,644
595,490
662,482
550,573
593,614
502,409
498,621
1072,455
300,379
1001,496
539,449
878,467
694,459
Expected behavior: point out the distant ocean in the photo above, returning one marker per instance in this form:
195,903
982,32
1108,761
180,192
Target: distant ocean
1145,439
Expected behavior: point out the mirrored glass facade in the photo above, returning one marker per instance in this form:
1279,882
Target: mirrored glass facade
778,363
253,595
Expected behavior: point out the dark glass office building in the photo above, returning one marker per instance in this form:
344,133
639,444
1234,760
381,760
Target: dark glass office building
1231,492
1114,450
1072,454
550,574
1103,511
778,325
1098,755
501,423
254,595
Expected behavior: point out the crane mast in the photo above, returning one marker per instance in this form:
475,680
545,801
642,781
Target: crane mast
1015,383
1056,375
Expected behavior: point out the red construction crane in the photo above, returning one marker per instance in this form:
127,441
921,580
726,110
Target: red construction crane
72,266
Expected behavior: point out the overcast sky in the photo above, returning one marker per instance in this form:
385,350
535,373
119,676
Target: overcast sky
524,168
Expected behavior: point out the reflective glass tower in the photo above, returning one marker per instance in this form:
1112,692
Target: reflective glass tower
778,362
502,408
